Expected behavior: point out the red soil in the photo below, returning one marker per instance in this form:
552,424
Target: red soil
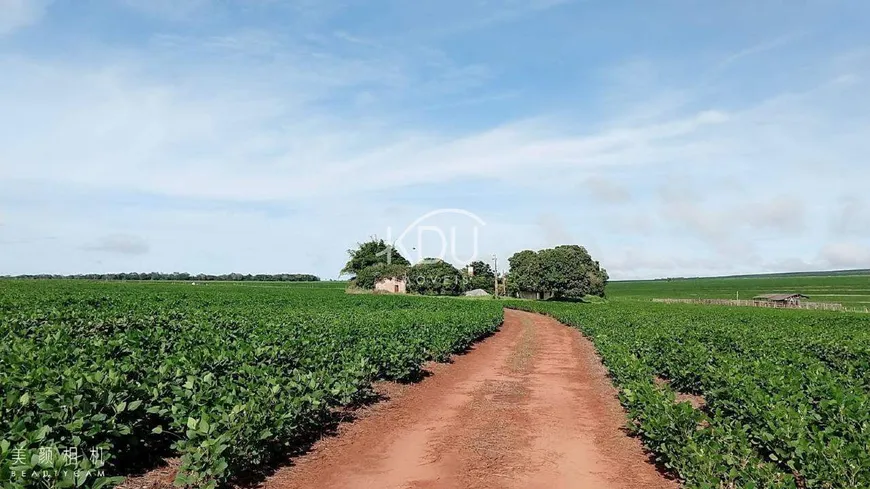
697,402
529,407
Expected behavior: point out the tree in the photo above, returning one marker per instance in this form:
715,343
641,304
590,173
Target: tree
483,278
435,277
369,276
566,271
482,269
525,271
596,277
371,253
597,281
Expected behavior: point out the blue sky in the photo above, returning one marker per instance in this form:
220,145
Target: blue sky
671,138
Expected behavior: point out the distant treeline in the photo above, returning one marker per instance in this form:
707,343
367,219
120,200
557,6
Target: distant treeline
824,273
234,277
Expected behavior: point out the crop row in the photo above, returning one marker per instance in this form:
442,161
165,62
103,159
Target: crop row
787,399
227,378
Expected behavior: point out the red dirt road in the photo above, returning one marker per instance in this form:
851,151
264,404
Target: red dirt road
530,407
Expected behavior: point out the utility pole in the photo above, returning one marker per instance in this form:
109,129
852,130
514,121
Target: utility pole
495,261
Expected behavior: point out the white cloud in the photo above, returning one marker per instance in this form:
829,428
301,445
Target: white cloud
117,127
846,255
784,214
607,190
17,14
256,117
635,262
171,9
121,125
733,227
852,218
554,231
125,244
759,48
455,17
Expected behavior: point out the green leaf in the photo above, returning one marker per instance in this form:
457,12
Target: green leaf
83,477
220,467
181,479
157,430
106,481
191,423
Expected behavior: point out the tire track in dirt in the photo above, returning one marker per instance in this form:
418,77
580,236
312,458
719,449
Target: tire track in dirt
529,407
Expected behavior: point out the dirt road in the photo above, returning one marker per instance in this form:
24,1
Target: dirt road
530,407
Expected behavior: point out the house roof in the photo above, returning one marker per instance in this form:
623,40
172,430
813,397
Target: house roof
780,297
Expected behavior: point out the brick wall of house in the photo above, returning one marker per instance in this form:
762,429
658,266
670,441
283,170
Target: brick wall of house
391,286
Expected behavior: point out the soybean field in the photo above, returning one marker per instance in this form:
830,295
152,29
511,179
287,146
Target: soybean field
786,392
851,289
95,378
99,381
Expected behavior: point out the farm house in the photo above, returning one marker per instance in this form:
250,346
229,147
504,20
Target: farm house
392,286
781,300
541,296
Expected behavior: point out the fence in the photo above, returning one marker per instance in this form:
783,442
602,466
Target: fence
827,306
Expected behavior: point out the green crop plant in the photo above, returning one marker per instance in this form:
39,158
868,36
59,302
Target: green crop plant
787,391
226,377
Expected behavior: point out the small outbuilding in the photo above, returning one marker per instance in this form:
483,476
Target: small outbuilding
539,296
781,300
392,286
477,293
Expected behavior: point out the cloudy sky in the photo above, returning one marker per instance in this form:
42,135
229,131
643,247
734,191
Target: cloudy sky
670,137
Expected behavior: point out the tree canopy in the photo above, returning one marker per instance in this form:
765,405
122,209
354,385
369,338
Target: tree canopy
566,271
435,277
483,278
525,271
371,253
369,276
